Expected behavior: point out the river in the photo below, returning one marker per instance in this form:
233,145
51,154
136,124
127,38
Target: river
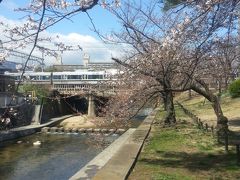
58,157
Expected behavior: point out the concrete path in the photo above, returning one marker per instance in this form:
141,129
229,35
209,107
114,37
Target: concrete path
117,161
89,170
30,129
120,165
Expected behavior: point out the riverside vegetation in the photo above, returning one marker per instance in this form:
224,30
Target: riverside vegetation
184,151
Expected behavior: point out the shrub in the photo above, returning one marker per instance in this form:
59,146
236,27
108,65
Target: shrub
234,89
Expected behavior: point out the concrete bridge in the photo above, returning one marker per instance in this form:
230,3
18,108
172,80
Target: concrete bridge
86,87
88,90
87,103
85,84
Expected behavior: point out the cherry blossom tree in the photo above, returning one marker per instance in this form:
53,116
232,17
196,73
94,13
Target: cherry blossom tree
225,56
31,34
174,49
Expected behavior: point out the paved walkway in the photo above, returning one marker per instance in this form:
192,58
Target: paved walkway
120,165
89,170
117,161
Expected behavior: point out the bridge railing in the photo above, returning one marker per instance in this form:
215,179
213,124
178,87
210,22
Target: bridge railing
84,88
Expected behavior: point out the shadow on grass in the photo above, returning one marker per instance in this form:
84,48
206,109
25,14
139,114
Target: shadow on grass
193,161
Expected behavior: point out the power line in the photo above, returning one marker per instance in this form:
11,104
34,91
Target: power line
7,52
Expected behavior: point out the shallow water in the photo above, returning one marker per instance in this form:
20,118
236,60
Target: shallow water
58,157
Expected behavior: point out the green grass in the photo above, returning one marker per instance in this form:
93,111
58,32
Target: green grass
184,152
165,176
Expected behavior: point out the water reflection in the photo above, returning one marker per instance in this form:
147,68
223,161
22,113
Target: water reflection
58,157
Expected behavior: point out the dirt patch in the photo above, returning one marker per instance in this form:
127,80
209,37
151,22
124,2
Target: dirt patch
80,122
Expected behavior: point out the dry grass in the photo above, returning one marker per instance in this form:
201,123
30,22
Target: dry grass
202,108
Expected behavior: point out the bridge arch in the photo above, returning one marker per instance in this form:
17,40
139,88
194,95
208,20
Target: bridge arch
78,103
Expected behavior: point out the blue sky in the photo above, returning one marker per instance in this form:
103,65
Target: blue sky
80,25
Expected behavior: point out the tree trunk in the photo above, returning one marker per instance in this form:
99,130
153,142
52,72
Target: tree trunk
189,94
170,111
164,97
220,85
222,121
170,117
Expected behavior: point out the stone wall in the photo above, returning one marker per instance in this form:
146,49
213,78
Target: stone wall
54,108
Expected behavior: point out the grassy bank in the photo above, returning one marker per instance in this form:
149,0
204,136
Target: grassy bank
202,108
183,152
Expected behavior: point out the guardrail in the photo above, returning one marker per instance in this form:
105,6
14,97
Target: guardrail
201,125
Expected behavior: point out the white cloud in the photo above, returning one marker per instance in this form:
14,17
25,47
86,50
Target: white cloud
98,51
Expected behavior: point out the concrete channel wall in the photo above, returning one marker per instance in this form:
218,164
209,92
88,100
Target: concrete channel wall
117,161
28,130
